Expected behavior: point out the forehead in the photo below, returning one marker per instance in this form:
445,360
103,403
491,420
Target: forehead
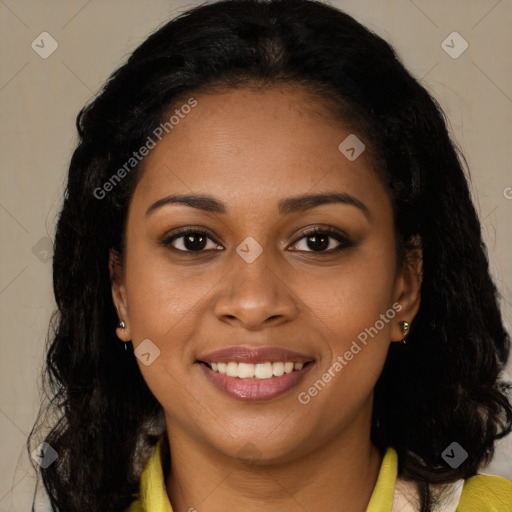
251,146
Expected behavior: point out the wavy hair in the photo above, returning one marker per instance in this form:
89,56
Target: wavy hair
440,387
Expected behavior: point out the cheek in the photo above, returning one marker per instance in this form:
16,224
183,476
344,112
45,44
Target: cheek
160,296
162,308
354,295
355,315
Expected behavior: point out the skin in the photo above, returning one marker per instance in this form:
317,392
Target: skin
250,149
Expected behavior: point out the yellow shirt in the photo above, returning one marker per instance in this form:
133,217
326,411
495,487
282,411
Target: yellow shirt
480,493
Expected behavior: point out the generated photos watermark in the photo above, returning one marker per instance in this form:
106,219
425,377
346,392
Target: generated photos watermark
304,397
133,161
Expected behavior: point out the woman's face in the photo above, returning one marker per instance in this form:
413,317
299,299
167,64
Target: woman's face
258,280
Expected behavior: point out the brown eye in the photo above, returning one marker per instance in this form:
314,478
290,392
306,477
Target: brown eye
190,240
321,241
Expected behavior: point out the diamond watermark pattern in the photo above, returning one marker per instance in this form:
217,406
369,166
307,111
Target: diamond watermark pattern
454,45
249,454
454,455
43,249
44,455
351,147
249,249
147,352
44,45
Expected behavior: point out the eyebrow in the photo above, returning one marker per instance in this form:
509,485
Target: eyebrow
285,206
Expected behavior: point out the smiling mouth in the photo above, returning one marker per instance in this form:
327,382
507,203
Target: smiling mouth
255,371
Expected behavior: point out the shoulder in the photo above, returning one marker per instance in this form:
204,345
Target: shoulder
486,493
480,493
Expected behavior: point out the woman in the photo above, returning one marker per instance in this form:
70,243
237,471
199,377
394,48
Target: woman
297,282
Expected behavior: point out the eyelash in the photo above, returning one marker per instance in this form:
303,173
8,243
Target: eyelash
345,242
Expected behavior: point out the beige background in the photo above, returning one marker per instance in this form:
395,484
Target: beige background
40,98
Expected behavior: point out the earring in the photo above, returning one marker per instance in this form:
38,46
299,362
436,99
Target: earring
404,327
122,325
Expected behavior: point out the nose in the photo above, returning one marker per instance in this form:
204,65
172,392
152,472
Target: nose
256,295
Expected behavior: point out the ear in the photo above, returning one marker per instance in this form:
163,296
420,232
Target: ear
408,288
119,296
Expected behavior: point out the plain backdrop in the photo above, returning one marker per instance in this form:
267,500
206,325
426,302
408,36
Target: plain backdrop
40,98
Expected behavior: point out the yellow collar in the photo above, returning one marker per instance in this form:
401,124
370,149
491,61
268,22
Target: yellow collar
480,492
153,495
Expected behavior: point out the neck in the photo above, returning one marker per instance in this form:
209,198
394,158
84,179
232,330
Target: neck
340,475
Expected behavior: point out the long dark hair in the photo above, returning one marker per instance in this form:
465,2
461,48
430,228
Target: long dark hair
441,387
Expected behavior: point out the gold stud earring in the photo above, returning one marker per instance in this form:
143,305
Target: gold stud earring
404,327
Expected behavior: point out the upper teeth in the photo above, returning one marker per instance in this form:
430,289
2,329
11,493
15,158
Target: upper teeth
259,370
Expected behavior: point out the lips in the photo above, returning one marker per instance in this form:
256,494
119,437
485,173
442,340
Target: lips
261,387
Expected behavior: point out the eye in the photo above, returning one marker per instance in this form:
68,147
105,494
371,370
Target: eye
318,240
190,240
321,239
